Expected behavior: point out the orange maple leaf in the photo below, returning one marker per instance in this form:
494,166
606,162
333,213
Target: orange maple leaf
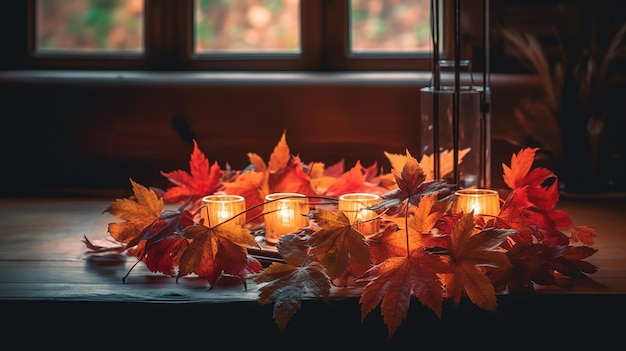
216,251
285,286
337,242
137,213
542,183
201,181
280,156
532,202
468,251
425,215
249,185
291,179
283,173
419,224
520,166
357,179
393,282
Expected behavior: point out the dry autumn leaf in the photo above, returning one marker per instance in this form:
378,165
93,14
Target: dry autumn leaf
521,164
358,179
291,179
337,242
280,156
137,213
168,223
392,283
583,234
412,185
249,185
285,285
419,224
164,255
446,160
423,251
532,202
468,251
201,180
215,251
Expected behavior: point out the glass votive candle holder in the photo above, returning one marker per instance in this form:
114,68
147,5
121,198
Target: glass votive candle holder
284,213
220,207
354,207
484,202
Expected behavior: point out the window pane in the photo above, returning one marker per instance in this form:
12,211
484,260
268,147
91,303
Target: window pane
390,26
247,26
89,26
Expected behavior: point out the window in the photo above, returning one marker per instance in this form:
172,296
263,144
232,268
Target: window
298,35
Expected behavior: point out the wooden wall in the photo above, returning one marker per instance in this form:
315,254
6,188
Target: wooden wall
68,135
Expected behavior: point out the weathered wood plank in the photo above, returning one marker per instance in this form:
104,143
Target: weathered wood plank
42,256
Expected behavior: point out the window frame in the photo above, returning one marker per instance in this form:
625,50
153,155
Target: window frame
168,45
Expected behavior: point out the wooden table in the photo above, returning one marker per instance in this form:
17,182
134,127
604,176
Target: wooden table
50,288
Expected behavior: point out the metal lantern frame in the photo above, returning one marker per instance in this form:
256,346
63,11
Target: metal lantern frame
456,64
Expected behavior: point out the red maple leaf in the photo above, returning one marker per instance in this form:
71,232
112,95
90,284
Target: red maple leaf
336,169
291,179
530,207
392,283
413,272
571,264
164,255
532,264
215,251
168,223
357,179
200,181
249,185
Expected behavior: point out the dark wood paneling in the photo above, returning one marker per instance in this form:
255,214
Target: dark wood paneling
95,134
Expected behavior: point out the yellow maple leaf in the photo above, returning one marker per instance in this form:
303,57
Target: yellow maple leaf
137,213
446,160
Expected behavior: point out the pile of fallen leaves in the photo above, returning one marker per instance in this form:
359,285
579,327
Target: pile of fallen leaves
423,250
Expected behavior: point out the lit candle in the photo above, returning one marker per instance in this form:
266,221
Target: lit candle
220,207
482,201
284,213
353,206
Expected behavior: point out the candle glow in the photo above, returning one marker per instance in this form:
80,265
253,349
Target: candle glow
353,206
219,208
284,213
481,201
